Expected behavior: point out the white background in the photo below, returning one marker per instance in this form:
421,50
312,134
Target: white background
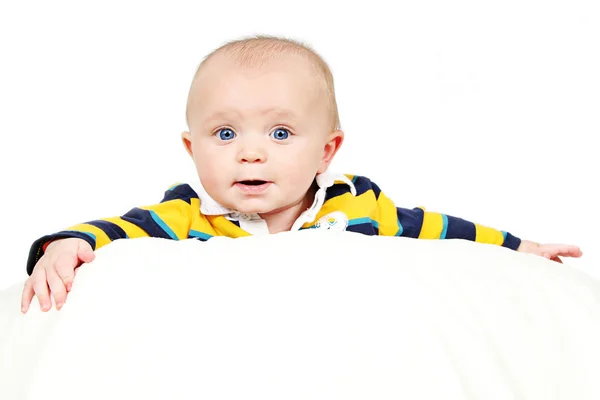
487,111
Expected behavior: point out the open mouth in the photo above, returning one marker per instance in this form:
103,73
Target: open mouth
252,187
253,182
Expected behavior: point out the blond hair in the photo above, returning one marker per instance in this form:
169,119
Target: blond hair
258,50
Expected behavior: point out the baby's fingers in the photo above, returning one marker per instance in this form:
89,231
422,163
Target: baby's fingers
552,251
572,251
27,295
40,287
85,252
59,292
65,268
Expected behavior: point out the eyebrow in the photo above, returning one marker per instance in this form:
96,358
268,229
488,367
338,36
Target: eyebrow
281,112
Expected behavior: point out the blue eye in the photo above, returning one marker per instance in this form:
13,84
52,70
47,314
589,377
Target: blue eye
226,134
280,134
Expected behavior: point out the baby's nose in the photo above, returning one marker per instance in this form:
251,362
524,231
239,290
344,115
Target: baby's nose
252,154
251,157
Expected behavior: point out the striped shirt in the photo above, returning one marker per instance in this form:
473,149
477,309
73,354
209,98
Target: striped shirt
342,202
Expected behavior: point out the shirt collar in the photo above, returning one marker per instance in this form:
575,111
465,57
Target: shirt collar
208,206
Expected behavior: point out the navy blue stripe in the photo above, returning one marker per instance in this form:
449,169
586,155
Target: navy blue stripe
363,185
144,220
510,241
180,192
112,230
376,190
411,221
336,190
460,229
163,225
364,228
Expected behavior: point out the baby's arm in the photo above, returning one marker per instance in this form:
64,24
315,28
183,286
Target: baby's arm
169,219
441,226
49,258
421,224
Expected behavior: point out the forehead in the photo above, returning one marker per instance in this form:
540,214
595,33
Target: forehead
287,85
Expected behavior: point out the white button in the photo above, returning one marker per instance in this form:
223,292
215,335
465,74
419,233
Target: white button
245,217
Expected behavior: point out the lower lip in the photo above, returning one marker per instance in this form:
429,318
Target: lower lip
253,189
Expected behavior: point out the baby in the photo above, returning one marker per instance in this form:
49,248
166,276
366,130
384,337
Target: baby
263,130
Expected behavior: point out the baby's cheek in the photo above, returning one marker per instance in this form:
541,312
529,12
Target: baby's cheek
207,161
209,171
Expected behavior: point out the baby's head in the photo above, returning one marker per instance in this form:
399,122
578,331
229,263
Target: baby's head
263,122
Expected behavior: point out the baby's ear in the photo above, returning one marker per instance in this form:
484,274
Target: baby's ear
186,137
332,145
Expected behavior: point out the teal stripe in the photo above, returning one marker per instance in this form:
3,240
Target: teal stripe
400,228
354,179
365,220
90,234
504,236
445,229
163,226
200,235
87,233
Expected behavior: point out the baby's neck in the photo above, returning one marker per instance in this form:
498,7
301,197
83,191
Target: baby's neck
282,220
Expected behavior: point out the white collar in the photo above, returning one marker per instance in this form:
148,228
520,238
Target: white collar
208,206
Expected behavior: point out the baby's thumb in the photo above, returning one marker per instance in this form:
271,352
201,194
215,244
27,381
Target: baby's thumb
85,252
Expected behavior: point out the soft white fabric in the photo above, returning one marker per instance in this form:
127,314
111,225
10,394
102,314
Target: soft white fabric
308,315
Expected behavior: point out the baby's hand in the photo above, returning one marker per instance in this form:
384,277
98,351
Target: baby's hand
55,271
550,251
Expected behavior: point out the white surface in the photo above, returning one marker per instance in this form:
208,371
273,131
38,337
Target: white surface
483,110
308,315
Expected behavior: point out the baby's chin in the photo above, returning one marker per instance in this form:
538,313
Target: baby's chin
249,208
257,210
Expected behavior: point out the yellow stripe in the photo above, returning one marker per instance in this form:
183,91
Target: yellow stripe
433,225
132,230
174,213
484,234
388,216
218,225
349,176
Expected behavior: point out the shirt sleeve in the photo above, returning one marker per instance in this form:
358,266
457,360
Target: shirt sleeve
422,224
390,220
169,219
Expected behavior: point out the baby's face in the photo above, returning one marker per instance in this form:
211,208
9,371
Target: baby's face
259,135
